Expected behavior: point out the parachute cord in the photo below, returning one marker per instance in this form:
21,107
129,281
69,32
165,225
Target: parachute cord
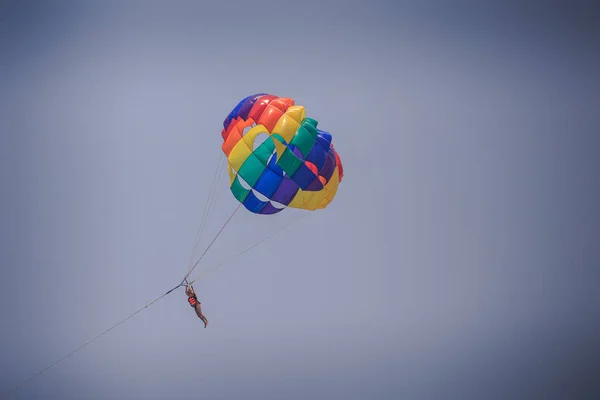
211,243
288,224
207,208
89,342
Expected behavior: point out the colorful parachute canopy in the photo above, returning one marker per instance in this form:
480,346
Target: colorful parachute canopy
277,157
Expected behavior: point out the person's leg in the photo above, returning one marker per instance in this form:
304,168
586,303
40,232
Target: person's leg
200,314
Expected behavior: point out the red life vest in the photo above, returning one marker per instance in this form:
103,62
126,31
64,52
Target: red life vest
192,300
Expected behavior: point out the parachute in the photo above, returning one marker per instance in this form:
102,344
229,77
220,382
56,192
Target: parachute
277,157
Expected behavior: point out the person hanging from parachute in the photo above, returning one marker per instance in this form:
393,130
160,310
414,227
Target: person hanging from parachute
193,300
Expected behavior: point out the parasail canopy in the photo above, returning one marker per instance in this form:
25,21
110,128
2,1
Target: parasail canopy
277,157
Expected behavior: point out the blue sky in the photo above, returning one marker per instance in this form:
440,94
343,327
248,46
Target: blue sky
458,260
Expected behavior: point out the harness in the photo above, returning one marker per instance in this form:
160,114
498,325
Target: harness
193,300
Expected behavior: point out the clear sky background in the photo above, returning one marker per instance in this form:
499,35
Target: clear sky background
459,259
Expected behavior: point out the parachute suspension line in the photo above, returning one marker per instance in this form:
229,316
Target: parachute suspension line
204,272
211,243
209,201
89,341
